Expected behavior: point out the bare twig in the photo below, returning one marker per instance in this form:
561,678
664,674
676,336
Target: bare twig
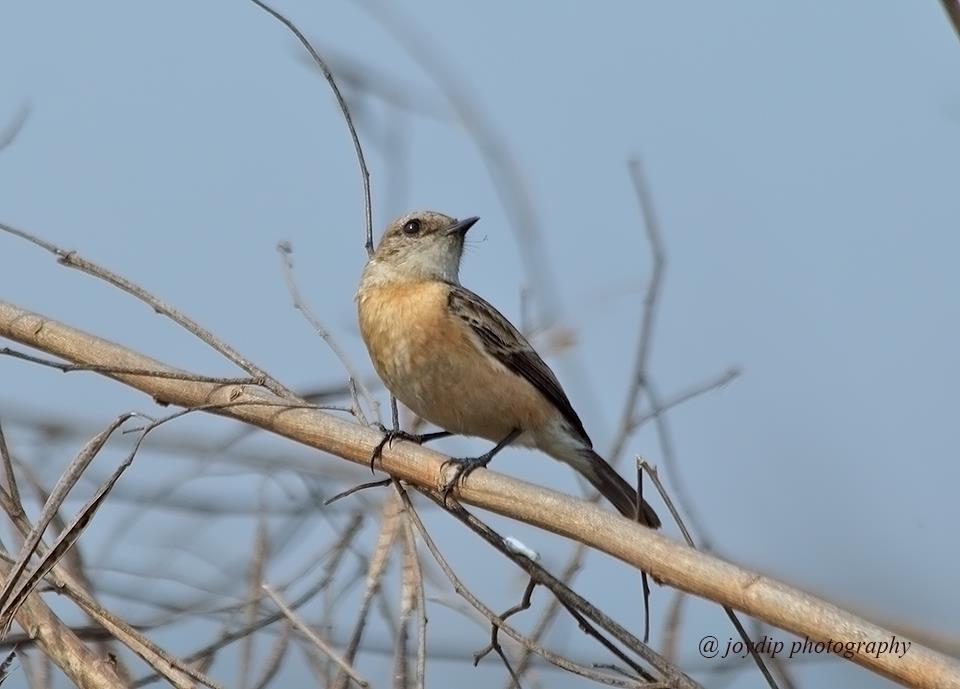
671,626
66,482
390,524
413,597
190,445
64,542
390,88
655,283
643,465
346,537
685,396
640,379
170,668
344,110
314,638
504,173
668,457
640,376
356,489
255,574
494,644
176,375
478,605
58,643
73,260
286,261
166,665
578,606
274,657
66,651
9,476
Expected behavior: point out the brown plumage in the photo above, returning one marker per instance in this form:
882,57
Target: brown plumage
457,362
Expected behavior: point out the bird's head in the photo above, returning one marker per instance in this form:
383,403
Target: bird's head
422,245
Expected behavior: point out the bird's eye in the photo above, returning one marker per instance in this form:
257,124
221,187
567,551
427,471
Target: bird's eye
412,227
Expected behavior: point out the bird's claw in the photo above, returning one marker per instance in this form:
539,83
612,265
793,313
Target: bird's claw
464,467
389,435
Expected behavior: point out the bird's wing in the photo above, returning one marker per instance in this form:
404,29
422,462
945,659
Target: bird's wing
505,343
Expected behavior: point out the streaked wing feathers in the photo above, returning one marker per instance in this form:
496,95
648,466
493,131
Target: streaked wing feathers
507,345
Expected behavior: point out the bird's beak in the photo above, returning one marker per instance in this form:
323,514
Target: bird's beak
461,226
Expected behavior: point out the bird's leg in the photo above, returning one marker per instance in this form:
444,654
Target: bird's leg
465,465
395,433
391,434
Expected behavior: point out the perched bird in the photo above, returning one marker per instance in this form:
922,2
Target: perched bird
457,362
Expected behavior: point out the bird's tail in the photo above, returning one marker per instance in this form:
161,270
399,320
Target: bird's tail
613,487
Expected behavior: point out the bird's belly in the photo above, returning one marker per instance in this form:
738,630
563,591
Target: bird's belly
457,390
460,389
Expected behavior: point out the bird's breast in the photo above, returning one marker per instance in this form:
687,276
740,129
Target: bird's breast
408,335
394,321
429,359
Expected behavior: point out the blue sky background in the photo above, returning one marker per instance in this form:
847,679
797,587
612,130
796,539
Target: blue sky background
803,160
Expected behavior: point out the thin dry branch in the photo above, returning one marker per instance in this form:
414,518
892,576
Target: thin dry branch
498,620
494,644
346,537
256,573
508,182
640,383
344,110
193,446
275,657
412,597
285,249
307,631
73,260
10,477
685,396
390,88
65,582
675,564
71,368
579,608
390,524
643,465
62,646
64,542
63,486
170,668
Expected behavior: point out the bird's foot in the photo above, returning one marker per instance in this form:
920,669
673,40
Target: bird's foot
391,434
464,467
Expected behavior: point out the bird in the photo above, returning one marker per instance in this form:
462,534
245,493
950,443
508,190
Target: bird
457,362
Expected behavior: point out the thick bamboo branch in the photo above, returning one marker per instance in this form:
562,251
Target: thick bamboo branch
675,564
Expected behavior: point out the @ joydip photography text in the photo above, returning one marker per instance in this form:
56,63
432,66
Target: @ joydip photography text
711,647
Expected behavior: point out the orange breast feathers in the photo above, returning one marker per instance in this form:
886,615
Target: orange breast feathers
433,363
